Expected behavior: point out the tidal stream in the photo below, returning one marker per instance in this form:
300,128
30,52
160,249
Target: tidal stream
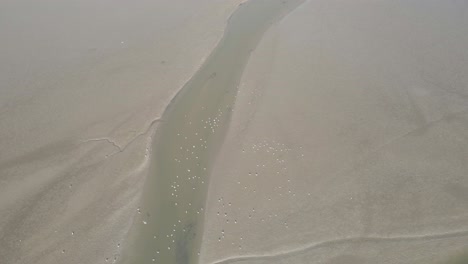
169,226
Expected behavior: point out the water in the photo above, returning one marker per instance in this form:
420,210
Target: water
169,225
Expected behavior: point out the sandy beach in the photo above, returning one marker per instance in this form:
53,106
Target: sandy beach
341,132
83,86
348,141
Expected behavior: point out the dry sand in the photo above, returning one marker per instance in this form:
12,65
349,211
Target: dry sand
349,139
82,85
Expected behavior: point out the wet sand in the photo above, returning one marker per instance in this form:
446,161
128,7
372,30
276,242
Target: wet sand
348,139
346,142
169,227
83,85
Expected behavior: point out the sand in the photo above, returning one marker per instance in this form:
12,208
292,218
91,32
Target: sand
82,87
169,226
348,141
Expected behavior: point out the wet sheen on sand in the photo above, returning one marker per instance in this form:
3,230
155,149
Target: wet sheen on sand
169,224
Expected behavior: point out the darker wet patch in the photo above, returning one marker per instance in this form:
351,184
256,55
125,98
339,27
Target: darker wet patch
459,259
347,259
183,248
40,154
458,191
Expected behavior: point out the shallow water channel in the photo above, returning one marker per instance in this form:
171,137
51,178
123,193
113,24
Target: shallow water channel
169,225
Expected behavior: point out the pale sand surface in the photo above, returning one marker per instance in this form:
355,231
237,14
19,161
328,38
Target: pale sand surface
349,139
82,85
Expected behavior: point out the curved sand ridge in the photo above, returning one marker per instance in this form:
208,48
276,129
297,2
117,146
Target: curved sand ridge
332,243
121,148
